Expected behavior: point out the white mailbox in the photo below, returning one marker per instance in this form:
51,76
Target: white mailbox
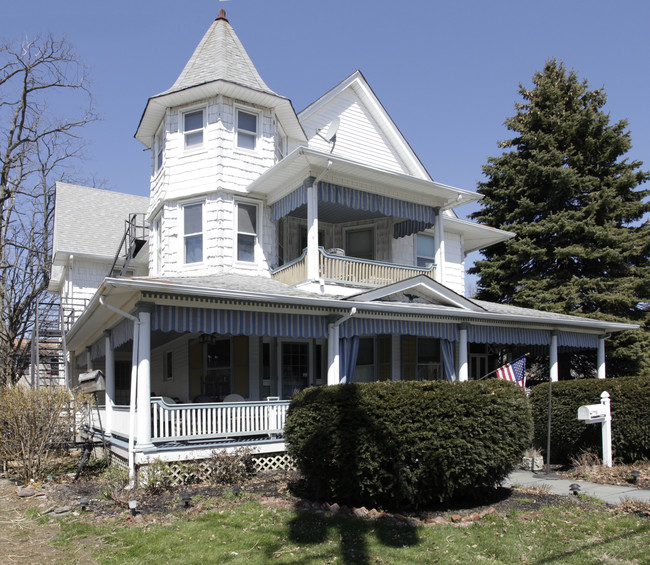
592,413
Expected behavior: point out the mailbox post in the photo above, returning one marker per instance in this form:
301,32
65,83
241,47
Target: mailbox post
600,414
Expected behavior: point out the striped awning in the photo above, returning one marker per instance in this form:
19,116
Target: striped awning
237,322
418,216
371,326
98,349
577,341
508,335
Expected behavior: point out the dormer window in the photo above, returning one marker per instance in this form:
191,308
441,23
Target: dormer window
247,130
193,128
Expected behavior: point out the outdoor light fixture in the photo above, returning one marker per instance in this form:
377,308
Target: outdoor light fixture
635,476
186,498
133,504
574,488
84,503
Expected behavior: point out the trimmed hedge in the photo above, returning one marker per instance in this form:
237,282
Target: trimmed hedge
630,404
395,444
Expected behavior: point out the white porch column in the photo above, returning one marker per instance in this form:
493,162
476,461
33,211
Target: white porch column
601,356
439,241
143,405
553,357
312,233
333,361
463,369
109,374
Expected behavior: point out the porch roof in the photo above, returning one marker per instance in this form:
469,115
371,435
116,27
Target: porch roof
246,293
302,163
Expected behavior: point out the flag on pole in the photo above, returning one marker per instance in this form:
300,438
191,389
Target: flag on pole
514,372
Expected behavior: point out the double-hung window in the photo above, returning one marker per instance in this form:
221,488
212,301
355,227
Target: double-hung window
193,233
193,123
246,231
159,149
426,250
360,243
247,130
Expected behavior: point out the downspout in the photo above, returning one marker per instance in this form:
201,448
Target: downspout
134,382
312,225
333,368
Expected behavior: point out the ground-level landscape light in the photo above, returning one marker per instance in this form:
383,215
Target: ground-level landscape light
635,476
84,503
186,498
574,488
133,504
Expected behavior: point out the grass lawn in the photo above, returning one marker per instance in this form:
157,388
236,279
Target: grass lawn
247,531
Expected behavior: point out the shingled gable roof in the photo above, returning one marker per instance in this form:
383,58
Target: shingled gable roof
219,65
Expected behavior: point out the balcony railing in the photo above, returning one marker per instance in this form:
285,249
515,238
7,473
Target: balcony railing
339,269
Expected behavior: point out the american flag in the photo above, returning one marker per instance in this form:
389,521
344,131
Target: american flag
514,372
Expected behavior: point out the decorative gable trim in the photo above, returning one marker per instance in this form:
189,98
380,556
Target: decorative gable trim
425,287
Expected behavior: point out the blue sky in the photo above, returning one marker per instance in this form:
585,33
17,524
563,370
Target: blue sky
446,71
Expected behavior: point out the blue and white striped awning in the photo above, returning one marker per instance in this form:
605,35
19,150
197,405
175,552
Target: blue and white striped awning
98,349
237,322
418,216
372,326
508,335
121,333
577,341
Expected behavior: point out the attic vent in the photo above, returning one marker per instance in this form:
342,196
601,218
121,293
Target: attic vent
222,15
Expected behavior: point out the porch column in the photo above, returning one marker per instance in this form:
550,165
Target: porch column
601,356
312,233
333,368
109,373
463,369
439,242
553,356
143,405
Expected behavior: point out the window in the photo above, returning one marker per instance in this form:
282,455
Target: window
364,371
421,358
246,231
168,367
246,130
360,243
193,128
159,149
193,232
280,144
295,368
426,250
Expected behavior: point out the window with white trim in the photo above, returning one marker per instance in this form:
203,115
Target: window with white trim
360,243
426,250
159,149
193,233
246,231
247,130
193,123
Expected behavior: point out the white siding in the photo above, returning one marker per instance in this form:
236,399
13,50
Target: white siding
359,138
454,263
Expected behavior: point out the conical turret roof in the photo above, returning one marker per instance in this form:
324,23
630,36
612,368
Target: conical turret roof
219,65
220,56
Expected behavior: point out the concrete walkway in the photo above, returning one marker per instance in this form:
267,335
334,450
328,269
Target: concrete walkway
612,494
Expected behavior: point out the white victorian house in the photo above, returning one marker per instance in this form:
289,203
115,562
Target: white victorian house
277,251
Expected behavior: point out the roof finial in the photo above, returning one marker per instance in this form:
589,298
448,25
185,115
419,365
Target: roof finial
222,15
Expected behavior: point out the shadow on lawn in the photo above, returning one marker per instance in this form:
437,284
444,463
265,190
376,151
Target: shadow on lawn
307,528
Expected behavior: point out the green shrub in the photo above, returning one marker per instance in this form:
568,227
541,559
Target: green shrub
392,444
630,402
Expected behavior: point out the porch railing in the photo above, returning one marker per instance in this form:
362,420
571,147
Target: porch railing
349,270
182,422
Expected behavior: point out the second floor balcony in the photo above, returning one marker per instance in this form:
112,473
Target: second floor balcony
335,268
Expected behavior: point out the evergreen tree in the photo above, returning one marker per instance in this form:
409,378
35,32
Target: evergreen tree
565,188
